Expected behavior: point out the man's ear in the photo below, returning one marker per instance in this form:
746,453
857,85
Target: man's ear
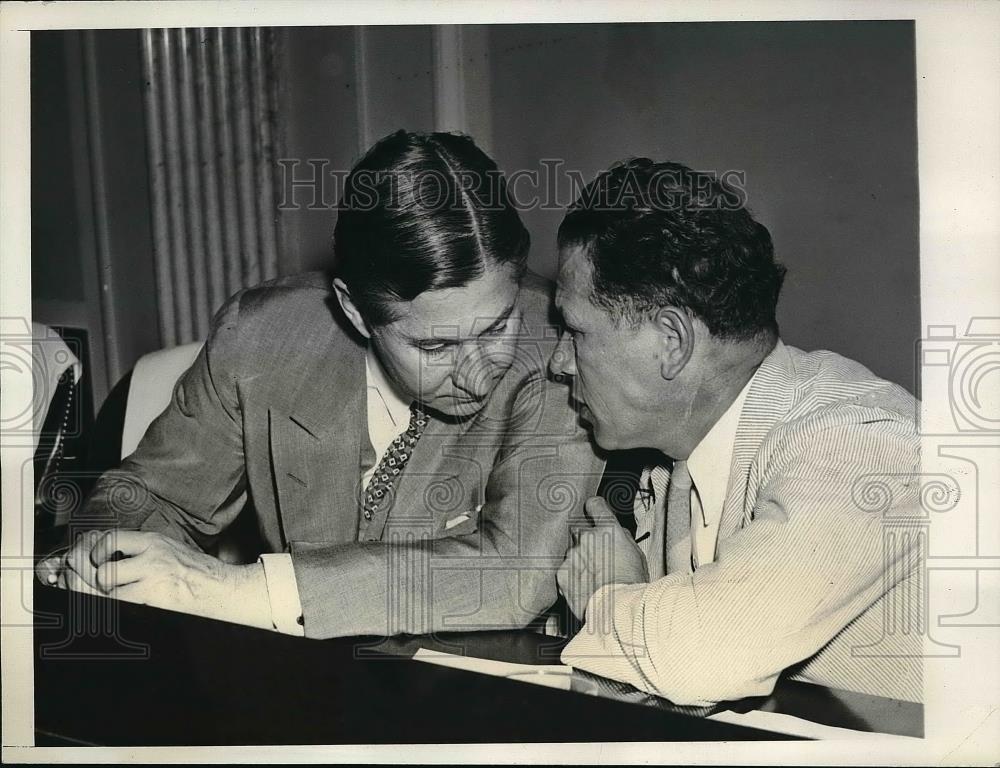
676,340
350,308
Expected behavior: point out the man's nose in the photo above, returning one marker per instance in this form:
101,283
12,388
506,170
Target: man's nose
479,370
563,360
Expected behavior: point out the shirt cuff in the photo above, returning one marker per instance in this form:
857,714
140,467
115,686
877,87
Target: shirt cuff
283,593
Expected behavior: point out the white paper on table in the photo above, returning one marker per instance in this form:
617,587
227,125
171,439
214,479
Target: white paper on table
778,722
551,675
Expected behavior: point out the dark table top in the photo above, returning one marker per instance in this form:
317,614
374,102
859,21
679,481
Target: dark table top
112,673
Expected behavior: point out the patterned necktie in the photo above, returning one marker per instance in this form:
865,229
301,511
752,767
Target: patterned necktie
678,533
389,468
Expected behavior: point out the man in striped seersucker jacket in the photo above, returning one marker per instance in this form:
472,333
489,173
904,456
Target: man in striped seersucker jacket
760,543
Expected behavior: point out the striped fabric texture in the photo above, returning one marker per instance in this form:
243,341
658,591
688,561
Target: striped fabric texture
819,559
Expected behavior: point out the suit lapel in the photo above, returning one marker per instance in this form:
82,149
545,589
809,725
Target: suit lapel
768,400
316,436
428,483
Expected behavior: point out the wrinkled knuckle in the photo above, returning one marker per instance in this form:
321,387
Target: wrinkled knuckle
102,578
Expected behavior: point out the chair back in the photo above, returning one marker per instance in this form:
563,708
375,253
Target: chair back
153,381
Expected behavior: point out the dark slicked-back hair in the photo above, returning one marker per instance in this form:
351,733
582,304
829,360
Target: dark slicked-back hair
661,234
421,212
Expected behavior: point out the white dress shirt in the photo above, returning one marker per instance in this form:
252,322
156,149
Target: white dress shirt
388,417
709,467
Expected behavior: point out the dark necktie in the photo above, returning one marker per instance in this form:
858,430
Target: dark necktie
652,500
389,468
678,532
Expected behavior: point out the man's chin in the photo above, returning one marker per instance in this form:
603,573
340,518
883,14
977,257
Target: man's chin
604,438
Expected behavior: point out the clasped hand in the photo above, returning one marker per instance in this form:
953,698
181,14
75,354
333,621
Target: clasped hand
153,569
602,552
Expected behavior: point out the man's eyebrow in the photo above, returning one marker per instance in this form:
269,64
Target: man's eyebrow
504,316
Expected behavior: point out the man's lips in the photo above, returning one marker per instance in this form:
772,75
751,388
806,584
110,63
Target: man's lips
468,400
577,402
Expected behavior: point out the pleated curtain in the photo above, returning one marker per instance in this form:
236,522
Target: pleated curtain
209,97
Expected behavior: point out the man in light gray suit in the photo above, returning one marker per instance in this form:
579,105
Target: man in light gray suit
760,543
408,464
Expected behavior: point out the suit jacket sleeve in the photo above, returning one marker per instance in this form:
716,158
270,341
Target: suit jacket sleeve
502,575
187,478
780,589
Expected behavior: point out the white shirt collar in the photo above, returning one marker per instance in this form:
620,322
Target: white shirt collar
397,409
709,462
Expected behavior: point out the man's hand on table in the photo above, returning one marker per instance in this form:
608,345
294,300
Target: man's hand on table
602,553
157,570
72,568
